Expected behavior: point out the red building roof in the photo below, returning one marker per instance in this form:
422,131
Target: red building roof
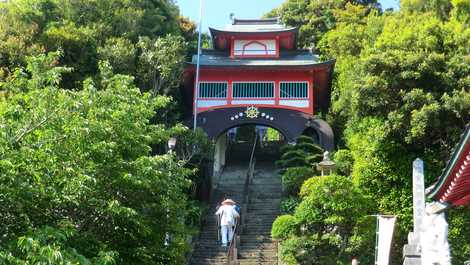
453,186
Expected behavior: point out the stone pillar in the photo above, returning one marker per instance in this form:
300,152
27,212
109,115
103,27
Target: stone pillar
418,197
412,251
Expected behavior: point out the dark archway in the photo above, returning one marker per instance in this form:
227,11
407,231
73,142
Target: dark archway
290,123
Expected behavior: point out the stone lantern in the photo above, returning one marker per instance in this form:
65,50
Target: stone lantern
326,165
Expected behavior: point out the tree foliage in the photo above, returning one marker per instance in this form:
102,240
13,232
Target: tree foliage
126,33
304,153
402,91
328,227
298,163
79,182
313,17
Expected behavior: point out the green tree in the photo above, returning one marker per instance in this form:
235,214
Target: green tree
329,226
440,8
401,92
304,153
314,18
87,31
161,64
79,182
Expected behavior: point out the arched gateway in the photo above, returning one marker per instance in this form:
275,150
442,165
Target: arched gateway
256,75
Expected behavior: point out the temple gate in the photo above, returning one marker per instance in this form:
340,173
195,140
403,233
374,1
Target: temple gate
256,75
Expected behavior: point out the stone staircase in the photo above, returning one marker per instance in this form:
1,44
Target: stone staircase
208,250
257,247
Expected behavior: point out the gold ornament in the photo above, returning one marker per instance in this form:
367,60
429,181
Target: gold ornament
252,112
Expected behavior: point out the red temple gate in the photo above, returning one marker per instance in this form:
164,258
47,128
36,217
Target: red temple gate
256,75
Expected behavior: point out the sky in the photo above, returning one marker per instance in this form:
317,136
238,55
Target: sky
217,12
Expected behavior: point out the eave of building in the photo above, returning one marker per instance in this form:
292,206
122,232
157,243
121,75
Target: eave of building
280,66
453,186
253,30
256,21
300,58
287,33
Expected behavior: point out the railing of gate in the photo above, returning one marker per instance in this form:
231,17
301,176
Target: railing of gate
232,253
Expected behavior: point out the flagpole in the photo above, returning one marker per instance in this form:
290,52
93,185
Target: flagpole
376,239
196,93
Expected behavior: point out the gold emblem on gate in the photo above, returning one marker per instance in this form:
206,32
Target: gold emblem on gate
252,112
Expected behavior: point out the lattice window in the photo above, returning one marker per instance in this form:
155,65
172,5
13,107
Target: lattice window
294,90
212,90
253,89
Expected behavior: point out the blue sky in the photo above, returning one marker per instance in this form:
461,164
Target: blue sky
217,11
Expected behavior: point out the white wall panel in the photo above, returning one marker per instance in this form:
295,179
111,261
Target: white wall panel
294,103
254,47
210,103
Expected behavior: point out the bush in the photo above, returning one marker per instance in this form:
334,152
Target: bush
289,204
283,226
290,250
305,153
293,178
329,225
292,158
344,162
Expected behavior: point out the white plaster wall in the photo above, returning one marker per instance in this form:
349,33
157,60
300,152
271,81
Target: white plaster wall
254,48
294,103
201,103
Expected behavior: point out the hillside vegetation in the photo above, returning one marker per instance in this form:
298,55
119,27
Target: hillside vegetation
88,97
401,91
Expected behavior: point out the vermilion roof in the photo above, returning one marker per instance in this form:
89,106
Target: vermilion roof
453,186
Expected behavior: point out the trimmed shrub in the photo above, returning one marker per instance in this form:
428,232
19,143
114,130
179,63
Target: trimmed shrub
344,162
289,204
283,226
294,177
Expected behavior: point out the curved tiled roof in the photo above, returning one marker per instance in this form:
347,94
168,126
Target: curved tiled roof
453,186
287,58
270,25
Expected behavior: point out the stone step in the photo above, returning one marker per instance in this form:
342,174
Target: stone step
256,239
257,247
256,217
257,231
254,199
208,261
257,262
262,210
266,186
258,258
257,252
263,203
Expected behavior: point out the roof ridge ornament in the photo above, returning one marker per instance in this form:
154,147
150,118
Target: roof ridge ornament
260,21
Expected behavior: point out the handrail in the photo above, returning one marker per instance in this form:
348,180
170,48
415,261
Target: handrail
232,253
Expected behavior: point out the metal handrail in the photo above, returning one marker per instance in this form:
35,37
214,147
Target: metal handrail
232,255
